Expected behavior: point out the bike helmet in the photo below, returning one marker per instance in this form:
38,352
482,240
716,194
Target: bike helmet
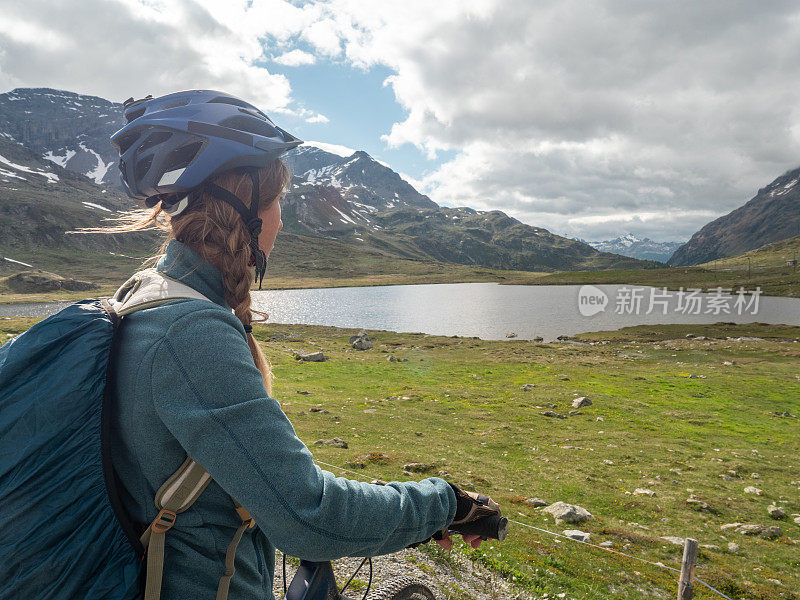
174,143
172,146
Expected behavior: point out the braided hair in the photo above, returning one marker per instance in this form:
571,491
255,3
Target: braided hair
216,231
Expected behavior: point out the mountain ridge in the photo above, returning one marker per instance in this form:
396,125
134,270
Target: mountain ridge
634,247
773,214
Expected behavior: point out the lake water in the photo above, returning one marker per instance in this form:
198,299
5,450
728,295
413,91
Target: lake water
490,310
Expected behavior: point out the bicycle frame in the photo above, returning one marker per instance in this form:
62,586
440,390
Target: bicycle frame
314,581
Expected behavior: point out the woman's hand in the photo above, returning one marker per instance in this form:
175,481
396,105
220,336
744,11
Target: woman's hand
472,540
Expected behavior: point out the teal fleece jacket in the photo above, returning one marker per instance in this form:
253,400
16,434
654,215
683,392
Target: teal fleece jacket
185,383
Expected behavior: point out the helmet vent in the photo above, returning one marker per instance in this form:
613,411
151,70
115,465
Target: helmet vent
142,167
250,125
155,138
135,114
175,105
229,100
182,157
124,142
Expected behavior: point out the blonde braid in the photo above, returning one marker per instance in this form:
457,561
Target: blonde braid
215,231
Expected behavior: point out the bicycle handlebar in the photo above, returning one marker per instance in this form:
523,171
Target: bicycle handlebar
493,527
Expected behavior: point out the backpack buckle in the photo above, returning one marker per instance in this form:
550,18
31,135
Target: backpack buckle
163,521
246,517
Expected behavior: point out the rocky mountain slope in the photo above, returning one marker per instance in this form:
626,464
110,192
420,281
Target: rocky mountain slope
772,215
40,201
68,129
645,249
354,200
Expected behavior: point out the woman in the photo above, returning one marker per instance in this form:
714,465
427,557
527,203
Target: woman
191,379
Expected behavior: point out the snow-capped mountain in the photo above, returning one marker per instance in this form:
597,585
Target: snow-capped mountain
68,129
644,249
361,179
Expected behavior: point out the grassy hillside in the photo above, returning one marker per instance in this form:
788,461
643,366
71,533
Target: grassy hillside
773,281
769,256
677,416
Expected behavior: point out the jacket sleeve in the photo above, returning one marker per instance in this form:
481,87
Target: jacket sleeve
211,397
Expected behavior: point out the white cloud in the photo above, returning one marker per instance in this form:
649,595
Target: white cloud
122,48
332,148
318,118
561,110
295,58
580,117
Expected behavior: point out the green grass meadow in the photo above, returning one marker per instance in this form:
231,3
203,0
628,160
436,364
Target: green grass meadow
677,416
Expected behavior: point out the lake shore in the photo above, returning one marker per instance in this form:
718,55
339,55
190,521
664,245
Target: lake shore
776,281
677,412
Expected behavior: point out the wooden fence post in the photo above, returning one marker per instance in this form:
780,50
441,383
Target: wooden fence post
686,585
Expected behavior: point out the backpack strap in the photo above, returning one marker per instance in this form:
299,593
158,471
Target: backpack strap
150,288
230,554
147,289
176,495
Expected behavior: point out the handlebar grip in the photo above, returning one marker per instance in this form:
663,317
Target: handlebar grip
492,527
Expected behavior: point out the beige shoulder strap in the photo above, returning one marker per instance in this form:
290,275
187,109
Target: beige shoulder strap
150,288
176,495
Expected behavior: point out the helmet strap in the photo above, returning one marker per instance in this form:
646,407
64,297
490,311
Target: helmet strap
250,218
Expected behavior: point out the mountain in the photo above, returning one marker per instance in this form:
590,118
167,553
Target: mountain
68,129
772,215
40,201
645,249
354,200
358,177
360,201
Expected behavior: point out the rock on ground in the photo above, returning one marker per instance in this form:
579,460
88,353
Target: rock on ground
536,502
577,534
698,504
360,341
581,402
733,547
310,356
678,541
769,532
776,512
753,490
568,513
337,442
555,415
643,492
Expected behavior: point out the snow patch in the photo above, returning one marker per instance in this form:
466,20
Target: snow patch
6,173
61,161
17,262
93,205
51,177
348,219
99,172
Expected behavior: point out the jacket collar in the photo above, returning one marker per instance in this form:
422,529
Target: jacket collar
182,263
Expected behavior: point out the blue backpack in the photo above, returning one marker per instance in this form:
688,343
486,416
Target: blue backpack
63,531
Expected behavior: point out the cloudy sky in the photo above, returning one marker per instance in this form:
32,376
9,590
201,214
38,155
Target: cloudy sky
590,118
